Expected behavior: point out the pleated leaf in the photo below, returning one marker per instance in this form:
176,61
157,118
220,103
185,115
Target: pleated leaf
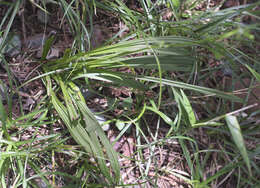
86,131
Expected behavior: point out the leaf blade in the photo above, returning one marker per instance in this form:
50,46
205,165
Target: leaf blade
235,130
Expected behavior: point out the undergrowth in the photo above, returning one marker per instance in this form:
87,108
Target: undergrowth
175,67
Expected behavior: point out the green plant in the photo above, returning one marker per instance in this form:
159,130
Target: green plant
175,59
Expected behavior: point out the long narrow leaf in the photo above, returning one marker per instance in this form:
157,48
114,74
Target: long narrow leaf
199,89
235,130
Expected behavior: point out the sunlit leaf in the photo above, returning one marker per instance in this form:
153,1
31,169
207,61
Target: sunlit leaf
188,108
176,3
236,133
208,91
256,75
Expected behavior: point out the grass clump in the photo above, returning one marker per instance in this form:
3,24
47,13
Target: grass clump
176,80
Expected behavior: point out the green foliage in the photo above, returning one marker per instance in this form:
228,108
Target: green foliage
174,57
85,129
235,130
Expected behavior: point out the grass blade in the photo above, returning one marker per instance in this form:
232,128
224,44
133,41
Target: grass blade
207,91
256,75
235,130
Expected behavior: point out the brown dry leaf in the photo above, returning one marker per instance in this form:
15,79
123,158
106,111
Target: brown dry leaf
230,3
100,34
167,14
35,41
53,53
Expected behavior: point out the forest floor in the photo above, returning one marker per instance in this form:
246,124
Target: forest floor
147,157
